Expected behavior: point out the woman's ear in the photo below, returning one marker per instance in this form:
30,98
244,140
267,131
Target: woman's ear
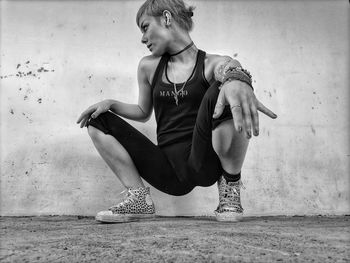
167,17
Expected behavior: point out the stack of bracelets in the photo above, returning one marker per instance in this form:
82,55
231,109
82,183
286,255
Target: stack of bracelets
237,73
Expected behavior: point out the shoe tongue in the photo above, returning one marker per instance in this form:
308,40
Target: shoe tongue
135,191
139,190
230,180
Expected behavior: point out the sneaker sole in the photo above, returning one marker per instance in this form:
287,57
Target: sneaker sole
118,218
228,217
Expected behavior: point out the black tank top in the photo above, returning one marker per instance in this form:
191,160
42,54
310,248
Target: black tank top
176,118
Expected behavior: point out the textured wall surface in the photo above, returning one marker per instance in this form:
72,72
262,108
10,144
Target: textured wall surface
57,58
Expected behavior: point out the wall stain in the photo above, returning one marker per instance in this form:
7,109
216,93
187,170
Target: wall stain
24,72
111,78
313,130
29,119
268,92
28,92
42,69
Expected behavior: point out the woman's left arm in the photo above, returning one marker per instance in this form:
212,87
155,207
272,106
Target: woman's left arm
236,91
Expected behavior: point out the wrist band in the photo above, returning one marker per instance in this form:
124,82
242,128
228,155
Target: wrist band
237,73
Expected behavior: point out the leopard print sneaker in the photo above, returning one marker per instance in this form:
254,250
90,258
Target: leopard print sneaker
136,205
229,208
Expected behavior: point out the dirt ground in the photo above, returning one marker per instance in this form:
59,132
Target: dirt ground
175,239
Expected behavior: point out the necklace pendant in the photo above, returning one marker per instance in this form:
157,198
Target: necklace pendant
176,100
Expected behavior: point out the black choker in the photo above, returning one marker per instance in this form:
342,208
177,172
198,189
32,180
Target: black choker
185,48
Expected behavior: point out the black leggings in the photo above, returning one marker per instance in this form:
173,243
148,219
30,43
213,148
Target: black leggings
175,169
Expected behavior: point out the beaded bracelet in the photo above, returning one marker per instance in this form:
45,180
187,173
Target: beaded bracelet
237,73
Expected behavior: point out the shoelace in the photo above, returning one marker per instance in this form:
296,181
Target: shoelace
129,198
230,195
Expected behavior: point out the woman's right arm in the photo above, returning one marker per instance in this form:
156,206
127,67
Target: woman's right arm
143,109
138,112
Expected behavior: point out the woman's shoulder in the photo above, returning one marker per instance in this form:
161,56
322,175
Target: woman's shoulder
148,65
214,59
211,61
149,62
212,56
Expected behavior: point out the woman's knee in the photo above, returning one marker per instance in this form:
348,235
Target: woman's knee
94,133
226,139
222,137
228,143
98,125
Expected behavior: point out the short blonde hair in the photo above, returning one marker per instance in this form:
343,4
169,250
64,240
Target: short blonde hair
180,12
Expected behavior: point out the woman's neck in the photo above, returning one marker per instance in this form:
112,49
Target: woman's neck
182,51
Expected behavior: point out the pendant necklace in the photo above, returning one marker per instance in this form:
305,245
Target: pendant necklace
178,92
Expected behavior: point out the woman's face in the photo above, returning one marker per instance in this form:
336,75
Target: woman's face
155,35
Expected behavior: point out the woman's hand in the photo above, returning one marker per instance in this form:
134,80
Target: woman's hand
244,106
93,111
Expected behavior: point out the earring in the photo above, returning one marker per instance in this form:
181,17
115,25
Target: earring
167,20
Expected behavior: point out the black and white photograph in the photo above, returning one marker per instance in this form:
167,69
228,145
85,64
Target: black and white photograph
174,131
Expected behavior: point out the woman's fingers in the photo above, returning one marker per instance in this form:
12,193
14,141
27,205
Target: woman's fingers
245,115
86,122
85,113
255,119
237,112
85,116
266,111
244,108
80,118
237,117
220,105
97,112
92,112
83,122
247,119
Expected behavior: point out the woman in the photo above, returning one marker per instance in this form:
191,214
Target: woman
205,111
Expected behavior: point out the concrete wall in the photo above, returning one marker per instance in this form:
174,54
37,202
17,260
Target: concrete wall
58,57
